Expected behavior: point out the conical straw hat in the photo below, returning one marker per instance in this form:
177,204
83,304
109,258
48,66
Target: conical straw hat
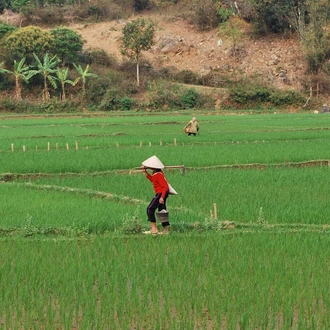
153,162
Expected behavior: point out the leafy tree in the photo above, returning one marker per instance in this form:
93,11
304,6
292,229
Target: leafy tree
271,15
84,74
309,18
6,29
138,36
47,68
140,5
16,5
28,40
208,14
20,72
4,4
67,44
314,35
62,76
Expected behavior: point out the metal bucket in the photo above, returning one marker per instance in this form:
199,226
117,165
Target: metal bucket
162,216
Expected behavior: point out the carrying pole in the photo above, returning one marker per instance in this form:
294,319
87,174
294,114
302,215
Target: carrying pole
181,167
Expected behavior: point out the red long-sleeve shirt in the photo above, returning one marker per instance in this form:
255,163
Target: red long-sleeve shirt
159,183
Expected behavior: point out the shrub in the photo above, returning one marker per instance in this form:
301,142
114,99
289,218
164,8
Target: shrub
259,96
97,88
206,16
286,98
224,14
6,82
26,106
213,79
129,67
55,106
169,72
100,57
187,77
140,5
13,105
100,10
190,98
6,29
316,58
49,16
126,103
128,85
162,94
111,100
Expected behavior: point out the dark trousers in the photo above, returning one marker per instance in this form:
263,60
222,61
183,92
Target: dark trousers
153,206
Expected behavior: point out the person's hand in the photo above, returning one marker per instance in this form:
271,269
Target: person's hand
161,200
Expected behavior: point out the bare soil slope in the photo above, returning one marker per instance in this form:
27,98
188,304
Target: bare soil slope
275,60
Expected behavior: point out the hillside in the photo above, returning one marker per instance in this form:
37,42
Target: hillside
275,60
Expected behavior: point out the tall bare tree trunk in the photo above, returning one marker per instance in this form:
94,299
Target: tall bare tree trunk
46,92
18,89
137,73
63,96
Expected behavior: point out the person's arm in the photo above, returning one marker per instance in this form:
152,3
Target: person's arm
188,125
148,176
164,186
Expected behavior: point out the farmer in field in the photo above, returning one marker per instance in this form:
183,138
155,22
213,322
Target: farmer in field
192,127
161,189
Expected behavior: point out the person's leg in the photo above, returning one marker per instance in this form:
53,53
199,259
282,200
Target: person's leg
151,213
165,227
154,228
165,224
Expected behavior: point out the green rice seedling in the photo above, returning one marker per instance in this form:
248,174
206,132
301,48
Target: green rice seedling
123,130
255,280
72,252
51,210
192,156
285,195
227,140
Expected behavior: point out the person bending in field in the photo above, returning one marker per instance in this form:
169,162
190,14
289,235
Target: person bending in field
161,189
192,127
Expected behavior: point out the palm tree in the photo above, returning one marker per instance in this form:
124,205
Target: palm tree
20,72
62,77
46,69
84,74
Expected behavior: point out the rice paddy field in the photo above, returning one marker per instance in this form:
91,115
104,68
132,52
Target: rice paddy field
250,227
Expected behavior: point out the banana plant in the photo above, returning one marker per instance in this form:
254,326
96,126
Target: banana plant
62,76
84,74
47,68
20,72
